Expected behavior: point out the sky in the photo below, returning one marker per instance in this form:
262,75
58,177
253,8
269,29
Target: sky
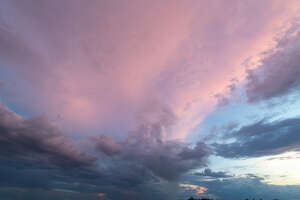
149,100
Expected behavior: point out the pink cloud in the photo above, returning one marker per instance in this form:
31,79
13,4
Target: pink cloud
198,189
90,66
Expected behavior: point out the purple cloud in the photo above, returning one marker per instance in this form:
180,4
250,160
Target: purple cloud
147,148
39,140
279,71
209,173
261,138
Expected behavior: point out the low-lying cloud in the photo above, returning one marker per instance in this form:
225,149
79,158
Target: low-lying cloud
145,146
35,154
261,138
37,139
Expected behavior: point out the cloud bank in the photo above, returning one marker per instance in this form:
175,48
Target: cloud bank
261,139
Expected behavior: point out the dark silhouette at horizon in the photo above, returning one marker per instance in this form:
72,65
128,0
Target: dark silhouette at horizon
205,198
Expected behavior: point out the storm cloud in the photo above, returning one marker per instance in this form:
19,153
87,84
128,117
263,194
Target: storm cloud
38,140
262,138
35,154
146,147
243,187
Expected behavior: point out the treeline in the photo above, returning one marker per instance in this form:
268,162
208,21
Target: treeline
192,198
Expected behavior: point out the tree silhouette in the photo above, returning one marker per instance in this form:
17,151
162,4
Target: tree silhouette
192,198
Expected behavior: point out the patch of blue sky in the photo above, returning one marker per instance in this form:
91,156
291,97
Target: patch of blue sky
10,85
285,173
243,113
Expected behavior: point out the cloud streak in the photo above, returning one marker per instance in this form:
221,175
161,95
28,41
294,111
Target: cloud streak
261,138
209,173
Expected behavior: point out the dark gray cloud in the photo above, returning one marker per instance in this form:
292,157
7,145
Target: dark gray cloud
15,193
261,138
37,139
42,160
106,144
36,156
279,71
209,173
249,186
145,147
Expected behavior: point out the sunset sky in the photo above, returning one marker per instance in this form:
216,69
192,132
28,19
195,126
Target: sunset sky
149,99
